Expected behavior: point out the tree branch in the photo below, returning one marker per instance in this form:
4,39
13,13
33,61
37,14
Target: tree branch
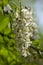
38,50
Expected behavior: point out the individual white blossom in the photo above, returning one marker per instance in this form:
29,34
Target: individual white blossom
24,53
16,14
7,8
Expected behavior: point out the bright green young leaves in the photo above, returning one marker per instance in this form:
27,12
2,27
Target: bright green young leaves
7,30
5,2
4,20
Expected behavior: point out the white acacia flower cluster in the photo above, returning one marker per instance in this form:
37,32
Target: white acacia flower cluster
24,28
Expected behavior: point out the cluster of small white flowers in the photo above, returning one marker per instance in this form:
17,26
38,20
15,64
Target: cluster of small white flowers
7,8
25,27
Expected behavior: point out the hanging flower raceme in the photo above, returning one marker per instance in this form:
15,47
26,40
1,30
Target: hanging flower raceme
24,27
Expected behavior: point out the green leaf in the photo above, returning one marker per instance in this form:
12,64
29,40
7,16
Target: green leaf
4,52
5,2
7,30
1,39
0,9
36,42
4,22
